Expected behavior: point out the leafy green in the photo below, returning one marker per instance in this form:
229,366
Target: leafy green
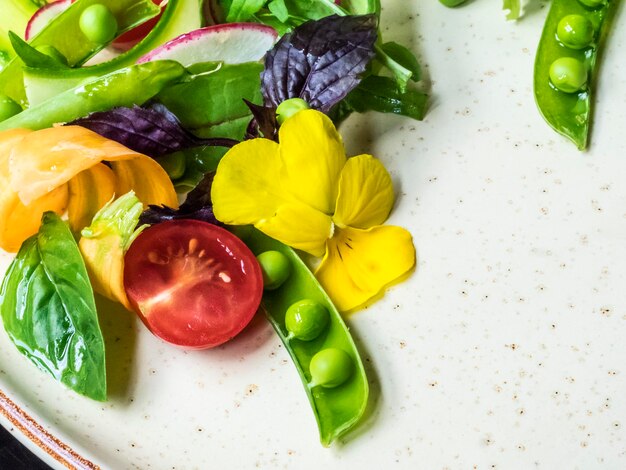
382,94
49,313
279,10
215,99
401,55
31,56
241,10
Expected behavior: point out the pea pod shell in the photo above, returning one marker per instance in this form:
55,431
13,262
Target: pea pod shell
125,87
569,113
339,409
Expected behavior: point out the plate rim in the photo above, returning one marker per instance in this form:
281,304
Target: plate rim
39,440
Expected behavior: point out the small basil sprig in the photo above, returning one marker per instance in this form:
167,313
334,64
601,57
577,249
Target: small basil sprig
49,312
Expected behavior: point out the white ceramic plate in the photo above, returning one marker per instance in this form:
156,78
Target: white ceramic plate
506,347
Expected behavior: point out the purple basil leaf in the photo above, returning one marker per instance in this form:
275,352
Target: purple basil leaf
320,61
264,122
153,131
197,206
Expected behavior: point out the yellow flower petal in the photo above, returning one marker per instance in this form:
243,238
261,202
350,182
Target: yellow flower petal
89,191
45,159
365,193
299,226
313,156
248,189
359,264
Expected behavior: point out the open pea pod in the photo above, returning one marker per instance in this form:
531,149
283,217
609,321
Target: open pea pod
65,35
337,409
571,60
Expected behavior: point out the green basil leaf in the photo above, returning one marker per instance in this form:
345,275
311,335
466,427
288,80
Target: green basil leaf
31,56
49,312
382,94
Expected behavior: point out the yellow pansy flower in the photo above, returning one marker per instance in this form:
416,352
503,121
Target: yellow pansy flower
306,193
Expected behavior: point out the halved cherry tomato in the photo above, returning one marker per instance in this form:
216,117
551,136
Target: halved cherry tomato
193,284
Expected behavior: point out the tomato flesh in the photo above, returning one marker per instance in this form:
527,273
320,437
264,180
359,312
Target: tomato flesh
192,283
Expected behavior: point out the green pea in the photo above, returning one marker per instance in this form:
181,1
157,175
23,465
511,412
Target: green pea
568,75
306,319
575,31
452,3
330,368
53,52
275,267
8,107
98,24
289,107
593,3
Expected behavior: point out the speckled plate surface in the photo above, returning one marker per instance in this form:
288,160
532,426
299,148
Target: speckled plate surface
506,347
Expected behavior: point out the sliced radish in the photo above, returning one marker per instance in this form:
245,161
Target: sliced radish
232,43
43,16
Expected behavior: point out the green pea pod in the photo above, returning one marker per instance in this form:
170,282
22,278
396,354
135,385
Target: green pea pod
132,85
179,16
337,409
65,35
569,112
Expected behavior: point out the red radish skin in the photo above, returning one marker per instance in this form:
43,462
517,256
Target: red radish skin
232,43
43,16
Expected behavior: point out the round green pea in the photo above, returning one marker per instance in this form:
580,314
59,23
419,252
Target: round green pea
568,75
330,368
275,267
8,107
575,31
593,3
53,52
289,107
306,319
98,23
452,3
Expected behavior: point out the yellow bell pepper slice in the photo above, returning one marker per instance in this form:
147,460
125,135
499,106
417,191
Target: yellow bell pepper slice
104,242
89,191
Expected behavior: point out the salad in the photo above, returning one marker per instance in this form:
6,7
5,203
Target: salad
182,158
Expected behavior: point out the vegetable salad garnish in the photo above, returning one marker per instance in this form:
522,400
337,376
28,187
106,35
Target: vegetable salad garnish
240,116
